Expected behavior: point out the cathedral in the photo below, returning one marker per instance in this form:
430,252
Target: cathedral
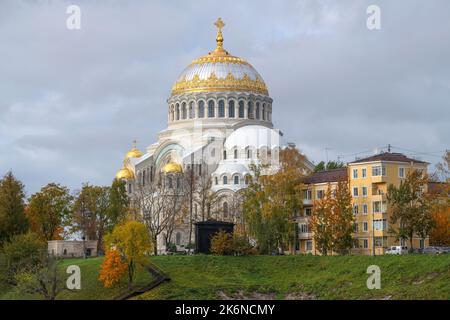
219,117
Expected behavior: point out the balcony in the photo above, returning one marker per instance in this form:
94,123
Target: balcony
305,235
379,179
379,197
307,202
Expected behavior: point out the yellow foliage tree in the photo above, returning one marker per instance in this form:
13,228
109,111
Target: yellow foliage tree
132,242
112,269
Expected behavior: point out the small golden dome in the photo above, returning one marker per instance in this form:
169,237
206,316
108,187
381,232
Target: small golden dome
124,174
172,167
133,153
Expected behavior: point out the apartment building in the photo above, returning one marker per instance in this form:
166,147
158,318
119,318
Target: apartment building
368,180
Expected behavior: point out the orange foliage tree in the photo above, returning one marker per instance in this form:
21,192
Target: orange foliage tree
112,269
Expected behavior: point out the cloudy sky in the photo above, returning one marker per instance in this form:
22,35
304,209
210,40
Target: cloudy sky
71,101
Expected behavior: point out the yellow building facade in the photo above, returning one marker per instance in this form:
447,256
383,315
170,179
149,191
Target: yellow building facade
368,181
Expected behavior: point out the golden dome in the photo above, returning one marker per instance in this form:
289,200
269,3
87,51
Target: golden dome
124,174
219,71
172,167
133,153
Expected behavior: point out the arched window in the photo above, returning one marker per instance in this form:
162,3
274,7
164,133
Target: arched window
177,110
241,109
171,112
225,180
249,153
250,114
236,179
221,109
257,111
178,183
178,238
201,109
183,111
216,180
191,110
224,154
264,111
213,152
210,109
225,209
231,109
235,153
169,182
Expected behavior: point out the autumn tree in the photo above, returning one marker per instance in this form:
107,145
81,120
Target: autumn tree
411,208
272,200
112,269
440,234
332,220
132,242
49,211
12,208
92,214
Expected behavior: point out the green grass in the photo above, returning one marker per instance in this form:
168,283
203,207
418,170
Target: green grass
336,277
91,287
278,277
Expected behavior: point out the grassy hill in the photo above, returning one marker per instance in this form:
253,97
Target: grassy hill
302,277
275,277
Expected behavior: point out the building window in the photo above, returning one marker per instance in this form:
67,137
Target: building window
378,171
257,111
241,109
129,188
365,243
304,228
355,191
221,109
225,180
401,172
365,226
264,111
169,182
177,110
231,109
308,245
363,172
250,114
376,207
235,153
308,212
178,238
364,191
380,241
201,109
224,154
249,153
355,209
216,180
191,110
421,243
225,209
320,194
236,179
380,225
307,194
183,110
355,173
364,209
211,109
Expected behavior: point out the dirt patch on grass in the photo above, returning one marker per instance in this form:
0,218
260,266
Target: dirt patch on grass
241,295
300,296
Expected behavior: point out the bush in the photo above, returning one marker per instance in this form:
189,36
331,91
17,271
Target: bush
223,243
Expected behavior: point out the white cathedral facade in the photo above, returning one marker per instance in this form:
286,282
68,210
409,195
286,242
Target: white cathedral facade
219,123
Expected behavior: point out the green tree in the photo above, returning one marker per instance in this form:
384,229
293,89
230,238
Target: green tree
411,208
91,213
13,220
330,165
49,211
132,241
118,203
271,202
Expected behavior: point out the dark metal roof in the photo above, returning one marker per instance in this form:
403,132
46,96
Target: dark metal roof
388,156
328,176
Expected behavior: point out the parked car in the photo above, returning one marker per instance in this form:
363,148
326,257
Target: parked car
397,250
436,250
